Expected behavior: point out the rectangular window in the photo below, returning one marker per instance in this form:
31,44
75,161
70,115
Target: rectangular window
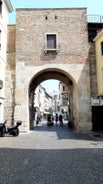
1,84
102,76
64,88
0,7
102,48
0,39
51,42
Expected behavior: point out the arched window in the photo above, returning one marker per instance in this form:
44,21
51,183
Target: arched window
102,48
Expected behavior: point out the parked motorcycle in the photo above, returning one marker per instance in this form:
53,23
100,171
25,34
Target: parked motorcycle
12,130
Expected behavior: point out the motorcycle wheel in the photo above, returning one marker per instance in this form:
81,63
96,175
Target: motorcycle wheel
2,133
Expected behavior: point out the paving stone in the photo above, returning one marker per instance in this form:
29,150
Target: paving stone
51,155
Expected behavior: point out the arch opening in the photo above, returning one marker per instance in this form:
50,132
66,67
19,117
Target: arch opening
62,77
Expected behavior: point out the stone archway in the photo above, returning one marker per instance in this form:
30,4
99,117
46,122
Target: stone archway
80,102
32,62
58,75
31,77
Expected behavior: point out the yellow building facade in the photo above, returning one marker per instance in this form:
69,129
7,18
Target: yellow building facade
99,61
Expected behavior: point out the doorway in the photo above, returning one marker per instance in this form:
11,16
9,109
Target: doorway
97,118
56,75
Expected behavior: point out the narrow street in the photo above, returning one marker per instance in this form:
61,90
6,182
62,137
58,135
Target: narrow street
51,155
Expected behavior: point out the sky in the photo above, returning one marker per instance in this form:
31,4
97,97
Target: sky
51,85
94,7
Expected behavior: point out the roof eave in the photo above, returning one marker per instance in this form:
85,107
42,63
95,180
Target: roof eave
9,5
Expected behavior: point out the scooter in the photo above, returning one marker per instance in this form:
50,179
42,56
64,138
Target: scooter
12,130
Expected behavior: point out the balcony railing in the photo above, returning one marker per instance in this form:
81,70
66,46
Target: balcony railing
95,18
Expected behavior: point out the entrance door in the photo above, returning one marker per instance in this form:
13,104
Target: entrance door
97,118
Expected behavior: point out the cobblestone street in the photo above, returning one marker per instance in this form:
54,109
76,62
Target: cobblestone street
51,155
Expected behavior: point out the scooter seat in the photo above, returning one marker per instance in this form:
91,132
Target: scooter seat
11,127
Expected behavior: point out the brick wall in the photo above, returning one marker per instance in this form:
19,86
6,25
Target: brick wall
10,76
70,26
93,74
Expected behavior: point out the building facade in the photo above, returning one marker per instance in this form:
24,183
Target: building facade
48,44
97,99
5,8
42,100
64,99
99,61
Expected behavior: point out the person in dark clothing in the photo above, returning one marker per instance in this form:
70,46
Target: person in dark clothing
56,118
38,119
49,122
61,119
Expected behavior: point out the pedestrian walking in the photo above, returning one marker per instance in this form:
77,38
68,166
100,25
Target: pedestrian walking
56,118
61,119
38,118
49,122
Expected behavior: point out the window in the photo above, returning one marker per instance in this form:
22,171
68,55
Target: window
64,88
51,42
102,48
102,76
0,39
1,84
0,7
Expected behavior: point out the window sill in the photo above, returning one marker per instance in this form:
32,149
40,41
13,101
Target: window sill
51,50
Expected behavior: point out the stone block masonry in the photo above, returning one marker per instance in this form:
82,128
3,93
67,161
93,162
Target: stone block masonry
27,59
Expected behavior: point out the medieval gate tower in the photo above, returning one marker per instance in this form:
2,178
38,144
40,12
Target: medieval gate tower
48,44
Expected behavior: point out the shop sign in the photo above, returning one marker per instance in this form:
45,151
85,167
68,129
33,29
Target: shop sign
95,101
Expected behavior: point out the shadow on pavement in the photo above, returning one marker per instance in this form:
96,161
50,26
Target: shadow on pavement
63,132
